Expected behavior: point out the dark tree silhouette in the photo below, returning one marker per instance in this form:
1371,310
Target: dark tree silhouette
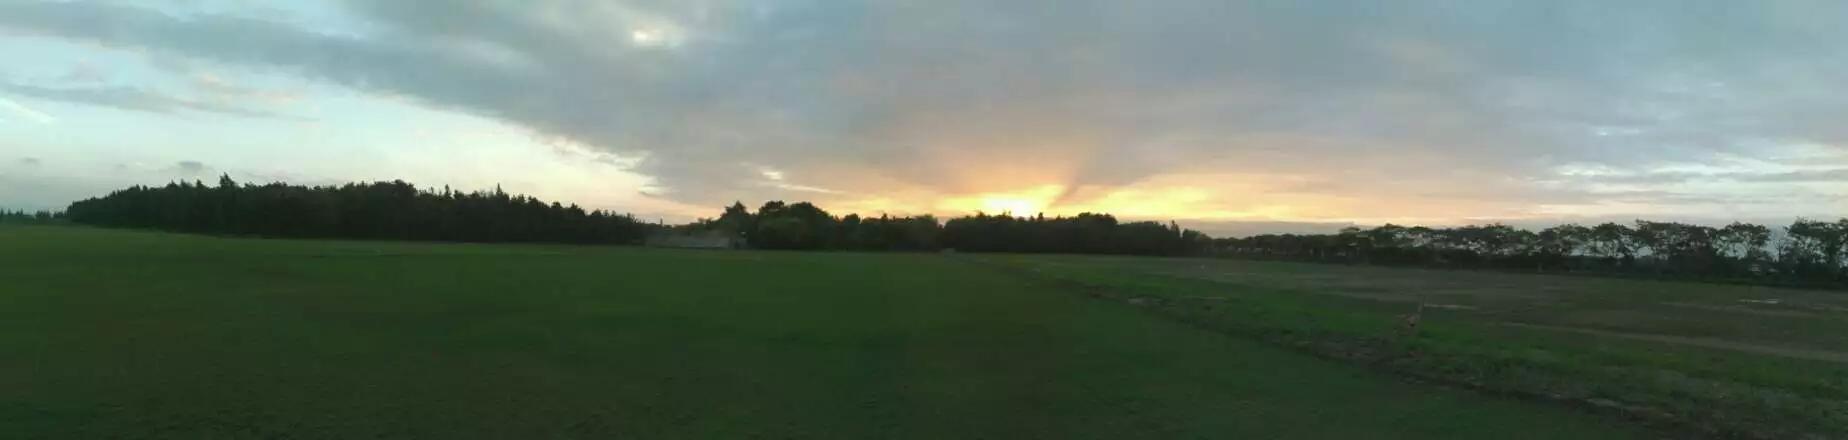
779,225
381,210
30,218
1806,252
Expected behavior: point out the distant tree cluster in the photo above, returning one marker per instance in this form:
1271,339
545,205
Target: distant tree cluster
777,225
802,225
1086,233
1807,251
30,218
382,210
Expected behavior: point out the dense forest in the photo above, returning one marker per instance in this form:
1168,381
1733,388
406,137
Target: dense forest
1806,252
382,210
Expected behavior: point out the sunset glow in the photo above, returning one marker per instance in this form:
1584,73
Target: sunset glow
1026,202
1011,206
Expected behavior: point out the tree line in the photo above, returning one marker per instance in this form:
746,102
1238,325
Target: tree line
397,210
30,218
802,225
392,210
1805,252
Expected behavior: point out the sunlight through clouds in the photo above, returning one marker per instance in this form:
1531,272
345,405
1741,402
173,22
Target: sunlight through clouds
1023,202
1309,112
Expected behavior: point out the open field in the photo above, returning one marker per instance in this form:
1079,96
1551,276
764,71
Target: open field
1724,360
133,334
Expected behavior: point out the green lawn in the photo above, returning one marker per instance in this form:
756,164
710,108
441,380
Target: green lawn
109,333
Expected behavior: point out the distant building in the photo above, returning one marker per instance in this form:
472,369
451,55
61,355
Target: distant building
696,240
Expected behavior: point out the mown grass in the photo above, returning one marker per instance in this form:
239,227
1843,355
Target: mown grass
119,334
1517,335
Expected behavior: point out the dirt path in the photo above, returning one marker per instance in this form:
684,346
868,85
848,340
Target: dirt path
1799,353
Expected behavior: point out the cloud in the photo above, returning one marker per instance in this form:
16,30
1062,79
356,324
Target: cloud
189,168
27,112
84,72
1835,175
1463,107
132,98
29,161
226,91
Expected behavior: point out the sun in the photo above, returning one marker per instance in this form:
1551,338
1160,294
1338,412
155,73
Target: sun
644,37
1011,205
1026,201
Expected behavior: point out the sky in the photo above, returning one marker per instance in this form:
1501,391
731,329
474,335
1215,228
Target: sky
1228,116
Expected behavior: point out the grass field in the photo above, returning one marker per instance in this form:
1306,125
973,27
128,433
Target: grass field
133,334
1705,359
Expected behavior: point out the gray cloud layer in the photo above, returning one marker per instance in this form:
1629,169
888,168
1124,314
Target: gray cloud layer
1459,101
130,98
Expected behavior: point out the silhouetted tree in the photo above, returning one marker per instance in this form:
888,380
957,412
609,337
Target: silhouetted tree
380,210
